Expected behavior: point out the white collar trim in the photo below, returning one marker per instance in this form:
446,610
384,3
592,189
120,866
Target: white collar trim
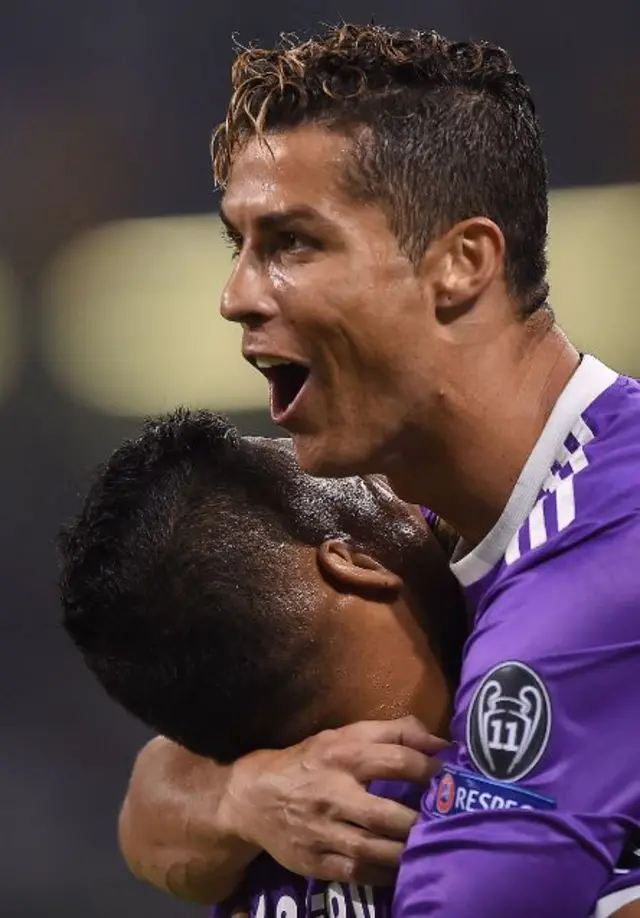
589,381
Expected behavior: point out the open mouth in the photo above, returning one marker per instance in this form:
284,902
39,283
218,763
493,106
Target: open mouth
286,382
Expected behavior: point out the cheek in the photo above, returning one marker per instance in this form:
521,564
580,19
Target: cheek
354,319
326,307
282,280
374,309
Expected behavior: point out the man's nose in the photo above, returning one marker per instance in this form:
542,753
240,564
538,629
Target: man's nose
247,297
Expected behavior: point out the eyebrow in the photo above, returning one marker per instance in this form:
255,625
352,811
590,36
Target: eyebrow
275,220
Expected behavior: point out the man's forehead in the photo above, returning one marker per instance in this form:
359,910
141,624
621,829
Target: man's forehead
285,443
277,151
279,445
285,170
285,446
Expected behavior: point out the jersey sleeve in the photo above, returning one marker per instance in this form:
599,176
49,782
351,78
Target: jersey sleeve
542,788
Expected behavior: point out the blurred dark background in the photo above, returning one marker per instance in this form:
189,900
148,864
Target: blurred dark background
110,271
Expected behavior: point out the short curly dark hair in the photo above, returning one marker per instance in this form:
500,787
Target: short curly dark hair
442,131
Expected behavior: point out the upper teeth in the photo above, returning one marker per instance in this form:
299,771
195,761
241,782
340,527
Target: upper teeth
263,363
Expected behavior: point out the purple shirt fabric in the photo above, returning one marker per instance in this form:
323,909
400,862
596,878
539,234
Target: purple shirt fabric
541,787
271,891
430,517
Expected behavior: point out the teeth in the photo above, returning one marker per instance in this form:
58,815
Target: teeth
264,363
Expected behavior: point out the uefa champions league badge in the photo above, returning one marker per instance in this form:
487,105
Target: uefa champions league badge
461,791
509,722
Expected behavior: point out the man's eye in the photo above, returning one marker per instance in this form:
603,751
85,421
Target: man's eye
234,241
288,242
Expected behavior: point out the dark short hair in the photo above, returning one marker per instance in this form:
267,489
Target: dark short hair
443,131
176,588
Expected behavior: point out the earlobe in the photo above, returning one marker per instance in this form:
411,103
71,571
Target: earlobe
353,570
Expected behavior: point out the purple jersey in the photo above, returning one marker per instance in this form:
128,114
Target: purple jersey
542,785
271,891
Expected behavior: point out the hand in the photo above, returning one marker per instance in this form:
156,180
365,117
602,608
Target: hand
308,806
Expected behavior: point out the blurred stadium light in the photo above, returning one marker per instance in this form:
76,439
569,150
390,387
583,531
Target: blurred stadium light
131,321
595,270
11,346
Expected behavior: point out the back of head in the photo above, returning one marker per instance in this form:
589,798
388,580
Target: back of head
172,584
443,131
182,584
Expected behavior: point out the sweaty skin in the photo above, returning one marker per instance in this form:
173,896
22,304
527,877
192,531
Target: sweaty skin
278,293
183,817
408,367
190,826
160,823
307,804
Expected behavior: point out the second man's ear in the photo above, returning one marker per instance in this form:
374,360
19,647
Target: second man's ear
355,570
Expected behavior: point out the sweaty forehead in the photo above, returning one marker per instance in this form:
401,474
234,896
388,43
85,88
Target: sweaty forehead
281,446
337,490
369,503
283,449
287,170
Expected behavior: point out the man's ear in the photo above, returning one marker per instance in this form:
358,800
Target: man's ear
354,571
471,256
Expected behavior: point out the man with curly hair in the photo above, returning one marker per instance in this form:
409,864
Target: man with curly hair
386,193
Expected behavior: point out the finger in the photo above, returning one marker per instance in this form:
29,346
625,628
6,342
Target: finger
362,847
410,732
381,818
384,762
404,731
377,852
340,869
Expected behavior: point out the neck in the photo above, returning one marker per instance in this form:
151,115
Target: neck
487,427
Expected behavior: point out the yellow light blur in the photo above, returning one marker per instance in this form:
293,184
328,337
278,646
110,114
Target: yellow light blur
131,322
11,352
595,270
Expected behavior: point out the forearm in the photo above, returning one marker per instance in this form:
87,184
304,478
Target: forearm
174,826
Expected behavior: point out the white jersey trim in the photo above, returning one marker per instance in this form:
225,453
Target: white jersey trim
588,382
611,903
